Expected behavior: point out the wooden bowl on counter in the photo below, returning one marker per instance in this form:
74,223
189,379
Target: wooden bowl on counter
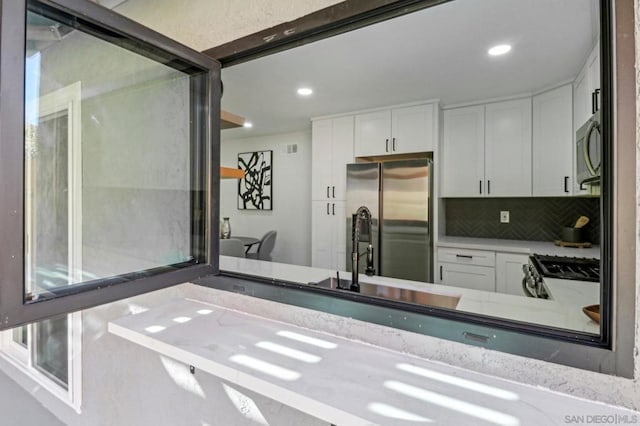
593,312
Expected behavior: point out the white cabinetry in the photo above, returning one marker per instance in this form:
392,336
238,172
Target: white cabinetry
508,148
474,269
332,150
485,270
463,152
553,143
395,131
328,234
586,99
509,273
487,150
468,276
373,134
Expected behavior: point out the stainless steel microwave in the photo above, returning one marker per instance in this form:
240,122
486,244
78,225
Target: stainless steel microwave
589,151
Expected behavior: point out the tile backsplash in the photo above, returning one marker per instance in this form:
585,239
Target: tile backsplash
533,219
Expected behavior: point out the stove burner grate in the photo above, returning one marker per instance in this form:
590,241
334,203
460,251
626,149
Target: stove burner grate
568,268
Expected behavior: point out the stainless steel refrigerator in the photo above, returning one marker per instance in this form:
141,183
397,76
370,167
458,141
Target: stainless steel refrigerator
398,194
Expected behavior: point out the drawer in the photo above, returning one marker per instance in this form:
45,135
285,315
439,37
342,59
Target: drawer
467,257
467,276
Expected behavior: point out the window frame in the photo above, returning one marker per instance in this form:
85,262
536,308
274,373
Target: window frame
15,310
607,352
23,359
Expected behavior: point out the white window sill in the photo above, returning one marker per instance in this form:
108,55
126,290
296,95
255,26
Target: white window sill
351,382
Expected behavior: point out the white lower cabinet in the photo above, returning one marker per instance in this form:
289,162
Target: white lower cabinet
509,273
467,276
474,269
485,270
328,235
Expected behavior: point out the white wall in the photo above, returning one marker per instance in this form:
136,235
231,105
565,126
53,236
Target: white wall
291,214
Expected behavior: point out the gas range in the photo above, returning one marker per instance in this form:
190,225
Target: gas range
558,267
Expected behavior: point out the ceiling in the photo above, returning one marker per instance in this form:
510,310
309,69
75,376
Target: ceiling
440,52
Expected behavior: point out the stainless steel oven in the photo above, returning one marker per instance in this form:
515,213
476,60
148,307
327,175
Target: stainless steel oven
589,151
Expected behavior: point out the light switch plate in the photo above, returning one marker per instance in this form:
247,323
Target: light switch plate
504,216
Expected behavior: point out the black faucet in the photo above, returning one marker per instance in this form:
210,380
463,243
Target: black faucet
362,213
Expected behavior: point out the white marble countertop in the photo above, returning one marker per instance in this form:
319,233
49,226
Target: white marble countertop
517,246
552,313
568,292
338,380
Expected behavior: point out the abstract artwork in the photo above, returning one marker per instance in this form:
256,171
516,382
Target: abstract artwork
254,190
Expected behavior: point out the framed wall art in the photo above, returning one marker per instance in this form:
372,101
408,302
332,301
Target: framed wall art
255,188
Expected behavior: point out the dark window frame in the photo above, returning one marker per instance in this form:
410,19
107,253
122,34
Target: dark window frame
354,14
15,310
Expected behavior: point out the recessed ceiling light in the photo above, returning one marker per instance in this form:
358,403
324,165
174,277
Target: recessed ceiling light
247,124
305,91
500,49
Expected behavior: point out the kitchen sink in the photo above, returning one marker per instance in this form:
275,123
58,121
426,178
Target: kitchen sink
394,293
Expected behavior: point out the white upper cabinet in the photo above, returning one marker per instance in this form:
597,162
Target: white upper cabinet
395,131
586,89
586,99
373,134
321,148
463,152
553,143
581,101
593,73
412,129
487,150
508,148
332,150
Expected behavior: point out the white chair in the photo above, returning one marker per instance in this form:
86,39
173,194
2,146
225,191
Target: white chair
231,247
267,243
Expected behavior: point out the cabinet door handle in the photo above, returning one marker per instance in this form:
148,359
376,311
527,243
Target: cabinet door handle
488,187
593,102
440,273
566,184
595,98
480,187
393,144
464,256
386,145
333,209
327,192
327,209
333,191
